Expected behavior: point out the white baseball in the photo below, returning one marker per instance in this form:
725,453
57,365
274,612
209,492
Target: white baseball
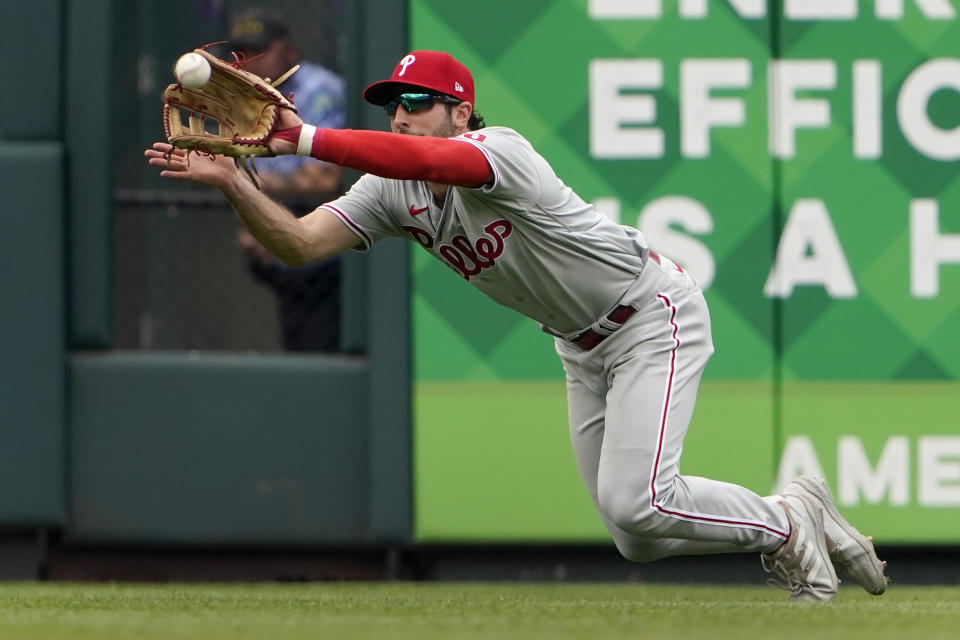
192,70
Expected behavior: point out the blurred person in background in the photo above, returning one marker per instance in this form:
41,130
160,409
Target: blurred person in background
308,296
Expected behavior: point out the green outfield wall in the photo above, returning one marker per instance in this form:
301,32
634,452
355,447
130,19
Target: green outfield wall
799,158
102,444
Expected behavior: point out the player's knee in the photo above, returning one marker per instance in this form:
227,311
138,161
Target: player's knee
617,506
628,510
637,550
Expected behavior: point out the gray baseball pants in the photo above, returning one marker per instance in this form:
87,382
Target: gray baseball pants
630,401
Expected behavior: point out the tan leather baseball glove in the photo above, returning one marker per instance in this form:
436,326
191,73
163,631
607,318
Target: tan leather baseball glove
244,107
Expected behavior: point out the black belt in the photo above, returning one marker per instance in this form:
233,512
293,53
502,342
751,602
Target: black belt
590,338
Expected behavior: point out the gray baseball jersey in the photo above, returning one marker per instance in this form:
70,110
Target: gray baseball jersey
526,239
530,243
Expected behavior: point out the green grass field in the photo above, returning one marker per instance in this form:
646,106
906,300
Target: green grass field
464,611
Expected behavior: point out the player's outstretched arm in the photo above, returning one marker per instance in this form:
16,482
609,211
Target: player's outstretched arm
389,155
317,236
393,155
314,237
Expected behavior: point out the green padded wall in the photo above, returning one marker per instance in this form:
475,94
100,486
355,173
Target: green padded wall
32,335
22,25
89,122
32,287
218,449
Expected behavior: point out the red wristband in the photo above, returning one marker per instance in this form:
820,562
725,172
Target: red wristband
291,135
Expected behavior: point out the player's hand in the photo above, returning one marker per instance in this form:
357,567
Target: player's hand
215,171
288,119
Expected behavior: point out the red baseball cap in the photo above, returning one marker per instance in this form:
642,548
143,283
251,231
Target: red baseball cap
435,70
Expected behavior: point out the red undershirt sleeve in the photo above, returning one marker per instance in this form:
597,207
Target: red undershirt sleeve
392,155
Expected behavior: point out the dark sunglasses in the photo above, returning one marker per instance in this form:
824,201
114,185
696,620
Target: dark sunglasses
413,102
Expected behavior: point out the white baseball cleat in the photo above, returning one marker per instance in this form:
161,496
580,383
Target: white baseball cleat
849,549
802,562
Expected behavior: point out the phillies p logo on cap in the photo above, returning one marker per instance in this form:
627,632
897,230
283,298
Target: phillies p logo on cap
407,61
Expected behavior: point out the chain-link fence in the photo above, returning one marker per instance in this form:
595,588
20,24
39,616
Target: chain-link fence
182,280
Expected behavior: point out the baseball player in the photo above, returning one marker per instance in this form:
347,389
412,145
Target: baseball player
630,325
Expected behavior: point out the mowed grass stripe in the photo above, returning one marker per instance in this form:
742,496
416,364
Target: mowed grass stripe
42,611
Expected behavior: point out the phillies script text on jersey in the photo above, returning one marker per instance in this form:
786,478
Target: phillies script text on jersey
465,258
